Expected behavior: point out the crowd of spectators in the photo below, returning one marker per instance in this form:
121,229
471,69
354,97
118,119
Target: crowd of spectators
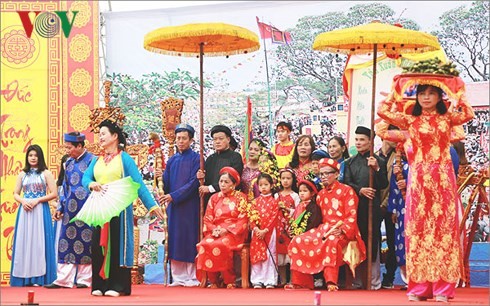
476,142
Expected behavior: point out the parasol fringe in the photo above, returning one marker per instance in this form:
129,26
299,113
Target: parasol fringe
163,40
193,53
361,39
388,50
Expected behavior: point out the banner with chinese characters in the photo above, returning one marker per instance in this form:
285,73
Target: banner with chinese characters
49,83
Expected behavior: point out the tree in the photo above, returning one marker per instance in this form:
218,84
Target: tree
464,37
319,73
140,99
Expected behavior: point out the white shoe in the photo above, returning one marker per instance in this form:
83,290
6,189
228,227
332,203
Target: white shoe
97,293
112,293
192,283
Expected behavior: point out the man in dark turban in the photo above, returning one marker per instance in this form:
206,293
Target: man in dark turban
357,170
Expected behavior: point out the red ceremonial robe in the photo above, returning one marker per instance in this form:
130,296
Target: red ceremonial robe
316,250
216,253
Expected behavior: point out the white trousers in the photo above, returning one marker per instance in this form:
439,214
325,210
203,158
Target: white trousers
183,274
66,275
264,272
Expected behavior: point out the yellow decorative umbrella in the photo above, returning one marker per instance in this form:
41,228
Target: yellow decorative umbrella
372,38
202,39
364,38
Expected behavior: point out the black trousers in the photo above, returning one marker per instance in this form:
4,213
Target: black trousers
119,278
390,263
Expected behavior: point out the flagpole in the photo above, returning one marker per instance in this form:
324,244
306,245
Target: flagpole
271,129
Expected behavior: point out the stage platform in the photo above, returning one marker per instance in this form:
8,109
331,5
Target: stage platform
161,295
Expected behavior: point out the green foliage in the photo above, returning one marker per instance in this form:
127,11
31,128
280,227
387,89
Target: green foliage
139,99
464,36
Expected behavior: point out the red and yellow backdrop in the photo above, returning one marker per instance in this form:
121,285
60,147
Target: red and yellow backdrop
49,83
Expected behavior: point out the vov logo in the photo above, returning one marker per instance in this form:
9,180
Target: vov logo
47,24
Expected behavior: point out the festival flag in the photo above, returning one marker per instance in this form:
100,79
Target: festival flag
346,79
265,29
280,37
248,133
277,36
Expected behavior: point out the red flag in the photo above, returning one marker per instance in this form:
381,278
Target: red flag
280,37
346,80
265,29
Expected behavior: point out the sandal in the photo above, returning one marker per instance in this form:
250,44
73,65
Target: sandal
332,287
230,286
213,286
294,287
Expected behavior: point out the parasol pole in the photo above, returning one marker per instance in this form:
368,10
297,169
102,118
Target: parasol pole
201,131
371,174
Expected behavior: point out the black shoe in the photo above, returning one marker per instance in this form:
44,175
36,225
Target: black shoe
387,285
80,286
53,286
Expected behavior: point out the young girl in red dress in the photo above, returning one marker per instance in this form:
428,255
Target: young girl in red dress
288,199
263,253
307,215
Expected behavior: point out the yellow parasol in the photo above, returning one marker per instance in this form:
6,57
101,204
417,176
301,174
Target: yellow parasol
202,39
372,38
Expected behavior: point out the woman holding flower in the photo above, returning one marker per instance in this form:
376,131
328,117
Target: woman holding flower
252,169
224,230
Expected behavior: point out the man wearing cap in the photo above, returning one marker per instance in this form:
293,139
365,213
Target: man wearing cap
338,203
74,255
283,151
356,175
222,157
182,200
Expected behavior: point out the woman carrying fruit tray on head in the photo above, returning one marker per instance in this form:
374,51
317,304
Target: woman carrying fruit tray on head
433,247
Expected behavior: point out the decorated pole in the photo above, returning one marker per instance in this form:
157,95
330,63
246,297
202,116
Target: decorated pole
371,175
201,133
158,186
171,116
107,92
